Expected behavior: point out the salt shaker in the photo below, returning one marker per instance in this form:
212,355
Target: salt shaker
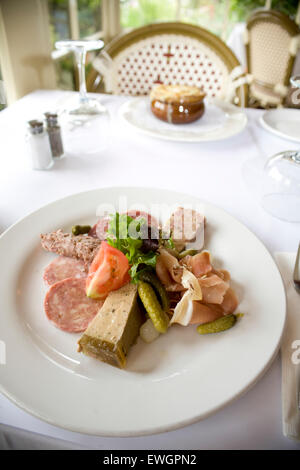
54,133
38,146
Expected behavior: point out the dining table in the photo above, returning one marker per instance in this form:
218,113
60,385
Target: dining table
224,173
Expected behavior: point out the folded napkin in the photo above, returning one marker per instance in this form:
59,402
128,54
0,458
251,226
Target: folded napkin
290,350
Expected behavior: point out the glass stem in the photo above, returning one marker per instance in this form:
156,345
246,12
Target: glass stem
293,156
296,156
80,55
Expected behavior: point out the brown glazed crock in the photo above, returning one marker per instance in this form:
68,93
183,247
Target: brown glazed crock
180,108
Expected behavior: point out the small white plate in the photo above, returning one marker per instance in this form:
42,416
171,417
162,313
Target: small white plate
219,121
179,378
282,122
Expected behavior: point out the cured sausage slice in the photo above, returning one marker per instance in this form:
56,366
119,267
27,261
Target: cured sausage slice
67,306
100,228
62,268
150,219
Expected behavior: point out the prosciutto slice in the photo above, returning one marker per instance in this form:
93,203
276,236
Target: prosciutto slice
222,273
213,289
169,271
230,301
199,264
205,313
217,297
183,311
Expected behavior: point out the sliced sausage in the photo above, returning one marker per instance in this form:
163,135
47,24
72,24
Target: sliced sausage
67,306
99,230
150,219
63,267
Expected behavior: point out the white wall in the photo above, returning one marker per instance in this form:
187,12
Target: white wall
25,47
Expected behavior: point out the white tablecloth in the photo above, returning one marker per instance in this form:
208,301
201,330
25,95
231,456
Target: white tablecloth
212,171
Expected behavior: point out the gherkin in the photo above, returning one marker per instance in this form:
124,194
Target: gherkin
80,229
184,253
148,297
221,324
152,279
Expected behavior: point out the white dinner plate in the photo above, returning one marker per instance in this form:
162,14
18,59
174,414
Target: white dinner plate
282,122
220,121
179,378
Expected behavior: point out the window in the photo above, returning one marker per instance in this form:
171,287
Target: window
90,17
59,20
214,15
72,19
219,16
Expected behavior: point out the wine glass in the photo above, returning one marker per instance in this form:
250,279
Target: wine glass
281,186
84,119
280,194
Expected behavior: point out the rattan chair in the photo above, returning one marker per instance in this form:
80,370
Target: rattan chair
272,40
169,53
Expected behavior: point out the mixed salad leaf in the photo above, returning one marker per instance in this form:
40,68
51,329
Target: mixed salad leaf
127,235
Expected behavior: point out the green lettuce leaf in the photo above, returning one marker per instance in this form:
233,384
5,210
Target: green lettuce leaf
118,236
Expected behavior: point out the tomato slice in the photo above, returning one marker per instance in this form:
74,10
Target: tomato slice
108,272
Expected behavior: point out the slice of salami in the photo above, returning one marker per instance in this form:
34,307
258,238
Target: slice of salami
92,232
150,219
63,267
67,306
100,228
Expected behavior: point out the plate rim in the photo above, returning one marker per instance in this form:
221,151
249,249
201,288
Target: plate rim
155,430
176,424
274,131
174,138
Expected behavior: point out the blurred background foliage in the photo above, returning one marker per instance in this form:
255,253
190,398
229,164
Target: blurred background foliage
219,16
244,7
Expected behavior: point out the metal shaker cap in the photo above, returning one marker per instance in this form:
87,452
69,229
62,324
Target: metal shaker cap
51,119
35,126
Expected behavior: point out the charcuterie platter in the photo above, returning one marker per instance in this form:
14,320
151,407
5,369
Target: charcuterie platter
134,335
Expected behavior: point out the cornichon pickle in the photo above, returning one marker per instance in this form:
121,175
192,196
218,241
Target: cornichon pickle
152,306
221,324
147,276
80,229
187,252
